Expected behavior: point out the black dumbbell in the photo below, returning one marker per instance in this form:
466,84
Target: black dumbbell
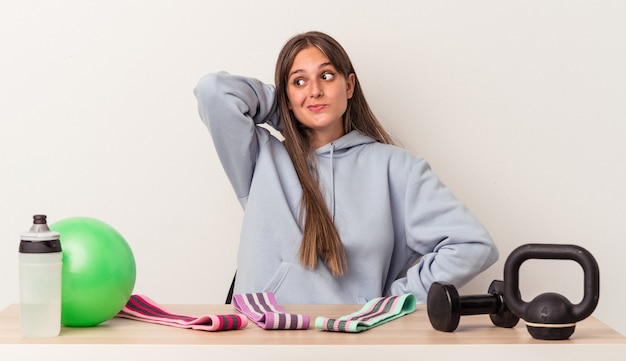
445,307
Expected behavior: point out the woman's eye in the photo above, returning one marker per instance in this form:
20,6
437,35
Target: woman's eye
328,76
299,82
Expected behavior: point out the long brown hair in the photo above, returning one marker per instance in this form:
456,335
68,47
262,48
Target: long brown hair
320,236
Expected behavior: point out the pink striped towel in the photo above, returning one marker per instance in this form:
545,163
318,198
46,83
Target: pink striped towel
142,308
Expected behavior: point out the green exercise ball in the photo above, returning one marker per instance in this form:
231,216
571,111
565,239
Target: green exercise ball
98,271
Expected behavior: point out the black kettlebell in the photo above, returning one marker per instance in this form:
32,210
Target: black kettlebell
551,316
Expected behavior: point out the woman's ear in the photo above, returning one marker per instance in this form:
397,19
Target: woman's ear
350,85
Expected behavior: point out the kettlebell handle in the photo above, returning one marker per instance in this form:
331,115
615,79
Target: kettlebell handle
558,252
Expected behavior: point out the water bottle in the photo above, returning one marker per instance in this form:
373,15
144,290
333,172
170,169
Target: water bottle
40,269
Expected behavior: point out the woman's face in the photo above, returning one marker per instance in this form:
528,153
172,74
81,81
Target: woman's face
318,95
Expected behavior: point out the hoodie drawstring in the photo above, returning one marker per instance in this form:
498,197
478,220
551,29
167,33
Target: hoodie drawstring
332,182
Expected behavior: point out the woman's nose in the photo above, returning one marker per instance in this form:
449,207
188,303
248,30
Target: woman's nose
316,89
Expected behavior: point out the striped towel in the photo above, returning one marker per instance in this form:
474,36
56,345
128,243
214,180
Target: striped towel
142,308
262,309
374,313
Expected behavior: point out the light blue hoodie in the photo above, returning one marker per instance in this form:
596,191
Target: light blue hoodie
402,229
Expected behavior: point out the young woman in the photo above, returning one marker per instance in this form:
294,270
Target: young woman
334,213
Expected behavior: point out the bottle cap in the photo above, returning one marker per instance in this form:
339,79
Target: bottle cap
40,239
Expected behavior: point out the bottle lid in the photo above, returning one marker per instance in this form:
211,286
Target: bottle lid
40,239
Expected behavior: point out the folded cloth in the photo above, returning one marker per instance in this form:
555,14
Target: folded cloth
142,308
262,309
374,313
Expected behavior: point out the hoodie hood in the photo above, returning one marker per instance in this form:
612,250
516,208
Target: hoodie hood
340,146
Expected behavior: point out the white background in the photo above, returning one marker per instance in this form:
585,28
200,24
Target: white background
520,107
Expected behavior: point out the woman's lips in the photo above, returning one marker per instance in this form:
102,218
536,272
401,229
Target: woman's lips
316,107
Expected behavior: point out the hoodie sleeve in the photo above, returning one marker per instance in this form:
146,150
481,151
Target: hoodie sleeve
231,107
453,245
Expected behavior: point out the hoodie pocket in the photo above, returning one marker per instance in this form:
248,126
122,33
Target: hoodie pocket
277,278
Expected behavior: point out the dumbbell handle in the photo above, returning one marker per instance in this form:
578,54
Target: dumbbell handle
480,304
